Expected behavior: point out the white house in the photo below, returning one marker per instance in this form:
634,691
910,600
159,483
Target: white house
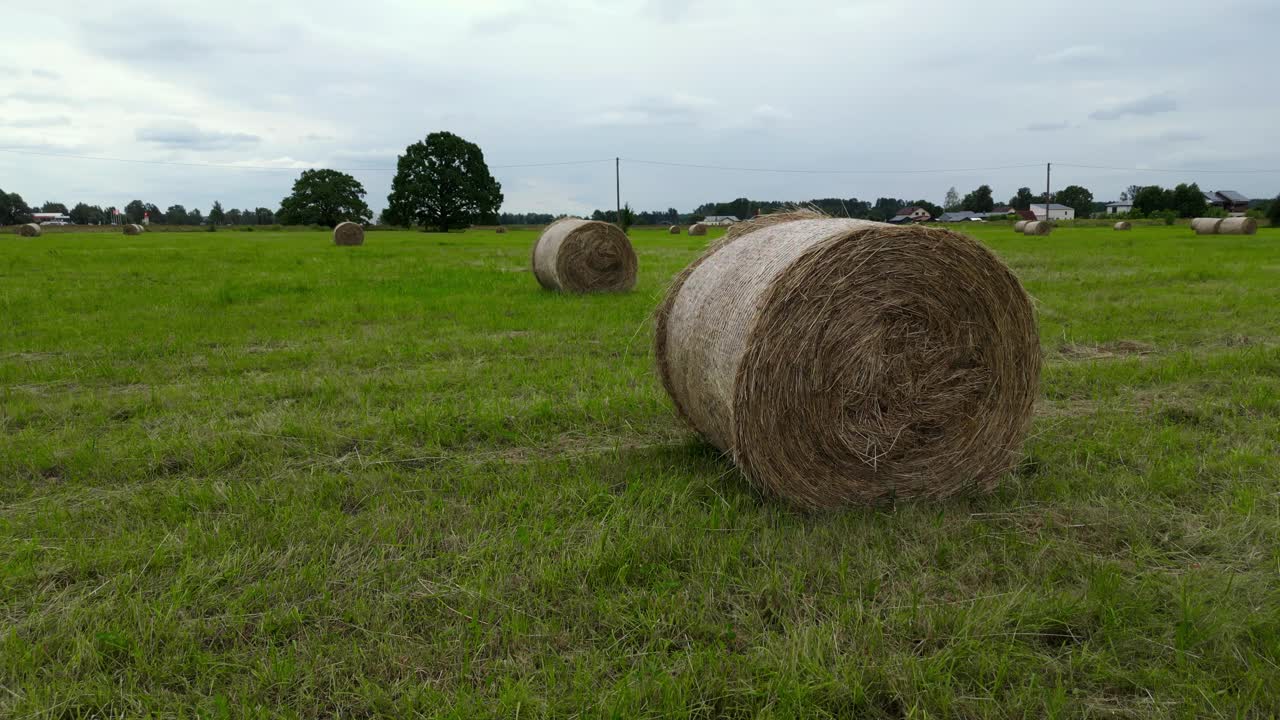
1119,207
911,214
1056,212
720,220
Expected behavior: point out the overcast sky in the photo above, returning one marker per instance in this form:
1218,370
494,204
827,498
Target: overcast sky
863,87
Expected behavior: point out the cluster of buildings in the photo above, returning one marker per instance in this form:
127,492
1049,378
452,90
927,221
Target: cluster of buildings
1229,200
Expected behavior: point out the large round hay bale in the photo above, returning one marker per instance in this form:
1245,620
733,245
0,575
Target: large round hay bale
1206,226
582,256
30,230
348,233
674,230
1019,226
132,229
1238,226
1123,225
500,230
697,229
846,362
1037,227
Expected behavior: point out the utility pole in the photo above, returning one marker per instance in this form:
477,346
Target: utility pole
1048,170
617,180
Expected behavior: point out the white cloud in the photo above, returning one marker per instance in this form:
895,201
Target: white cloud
1076,54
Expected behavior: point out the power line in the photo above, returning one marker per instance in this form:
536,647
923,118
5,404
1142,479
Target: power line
827,172
1164,170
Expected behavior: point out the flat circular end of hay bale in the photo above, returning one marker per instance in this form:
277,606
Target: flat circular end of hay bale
584,256
132,229
1019,226
674,230
1123,225
30,230
1037,227
348,234
1207,226
843,362
697,229
1238,226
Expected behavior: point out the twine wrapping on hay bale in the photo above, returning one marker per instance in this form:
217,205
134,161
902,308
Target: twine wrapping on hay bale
1123,225
30,230
674,230
348,234
582,256
1037,227
1238,226
1019,226
697,229
846,361
1206,226
500,230
132,229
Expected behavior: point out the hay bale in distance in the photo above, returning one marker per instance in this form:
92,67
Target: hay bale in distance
348,234
1238,226
1123,225
697,229
1019,226
1206,226
581,256
30,230
132,229
1037,227
849,362
674,230
500,230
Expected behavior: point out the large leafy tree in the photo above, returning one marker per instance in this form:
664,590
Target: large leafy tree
265,216
234,217
1188,200
979,200
134,211
13,209
324,197
1077,198
54,207
1152,199
81,214
952,200
177,215
195,217
442,183
216,215
1022,199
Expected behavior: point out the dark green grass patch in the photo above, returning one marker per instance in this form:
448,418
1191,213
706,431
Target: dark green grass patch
252,475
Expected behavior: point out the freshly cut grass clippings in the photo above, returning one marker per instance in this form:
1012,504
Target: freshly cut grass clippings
348,234
851,362
581,256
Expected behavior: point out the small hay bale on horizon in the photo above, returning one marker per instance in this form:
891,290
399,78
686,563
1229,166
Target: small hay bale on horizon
697,229
348,234
846,362
500,230
1238,226
673,230
29,230
1037,227
1123,225
132,229
584,256
1206,226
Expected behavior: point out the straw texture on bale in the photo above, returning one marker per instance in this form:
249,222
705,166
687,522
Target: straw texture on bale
132,229
1206,226
1123,225
1037,227
581,256
30,230
850,362
348,234
674,230
1238,226
697,229
1019,226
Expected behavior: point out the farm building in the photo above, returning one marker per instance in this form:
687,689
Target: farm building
959,216
720,220
910,215
1229,200
1115,208
1056,212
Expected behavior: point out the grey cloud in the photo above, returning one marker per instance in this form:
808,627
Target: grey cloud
1076,54
668,10
42,98
514,20
1149,105
184,136
1047,126
45,74
38,122
1174,136
668,110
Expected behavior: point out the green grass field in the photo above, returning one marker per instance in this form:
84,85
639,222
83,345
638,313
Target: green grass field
257,475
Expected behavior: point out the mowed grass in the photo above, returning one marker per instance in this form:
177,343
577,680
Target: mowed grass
257,475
